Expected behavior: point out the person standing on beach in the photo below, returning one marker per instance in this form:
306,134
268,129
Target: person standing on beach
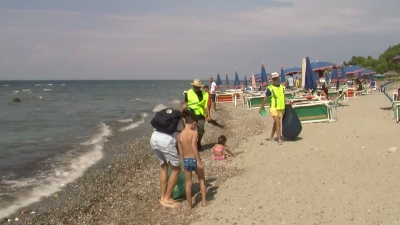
291,83
163,143
297,83
197,100
276,92
189,155
212,90
207,89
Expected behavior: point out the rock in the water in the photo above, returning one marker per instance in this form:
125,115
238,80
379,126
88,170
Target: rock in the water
16,100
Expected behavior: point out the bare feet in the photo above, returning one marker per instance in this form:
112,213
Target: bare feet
169,203
204,204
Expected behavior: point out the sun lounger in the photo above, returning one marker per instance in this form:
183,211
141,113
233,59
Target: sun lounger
313,112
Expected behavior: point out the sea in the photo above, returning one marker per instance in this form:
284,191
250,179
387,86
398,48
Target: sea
57,131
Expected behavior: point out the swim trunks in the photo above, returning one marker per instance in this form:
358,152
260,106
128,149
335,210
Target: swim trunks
190,164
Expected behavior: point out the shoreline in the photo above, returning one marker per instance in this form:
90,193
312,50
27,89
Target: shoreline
124,189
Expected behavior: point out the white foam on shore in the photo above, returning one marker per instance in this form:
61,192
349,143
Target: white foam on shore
32,190
159,107
125,120
175,101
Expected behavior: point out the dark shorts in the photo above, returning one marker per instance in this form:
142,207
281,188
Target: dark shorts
200,126
190,164
213,97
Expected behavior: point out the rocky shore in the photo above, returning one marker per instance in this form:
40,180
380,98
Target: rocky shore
124,188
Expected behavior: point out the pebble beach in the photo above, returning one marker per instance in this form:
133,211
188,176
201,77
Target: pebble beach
343,172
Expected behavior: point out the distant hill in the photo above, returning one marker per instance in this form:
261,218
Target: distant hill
381,65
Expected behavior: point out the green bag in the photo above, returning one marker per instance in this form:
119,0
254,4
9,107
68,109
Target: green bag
179,190
263,112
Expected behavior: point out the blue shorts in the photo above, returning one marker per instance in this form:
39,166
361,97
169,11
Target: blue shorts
190,164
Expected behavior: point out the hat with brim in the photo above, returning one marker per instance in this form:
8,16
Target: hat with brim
197,83
274,75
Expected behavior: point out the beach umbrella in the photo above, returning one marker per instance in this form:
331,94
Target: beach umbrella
334,75
310,78
253,80
263,76
391,74
396,59
227,81
292,71
218,81
367,72
321,65
353,69
344,75
282,76
245,81
236,83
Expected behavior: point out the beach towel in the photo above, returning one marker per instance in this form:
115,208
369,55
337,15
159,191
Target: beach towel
291,125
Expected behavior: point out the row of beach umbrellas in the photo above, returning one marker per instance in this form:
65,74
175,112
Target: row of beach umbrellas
310,73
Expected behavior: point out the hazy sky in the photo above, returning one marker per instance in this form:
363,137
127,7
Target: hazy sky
180,39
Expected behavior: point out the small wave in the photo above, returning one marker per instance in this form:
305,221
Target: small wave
26,90
15,91
52,182
175,101
47,139
132,125
125,120
49,84
46,89
135,100
29,141
159,107
143,115
6,85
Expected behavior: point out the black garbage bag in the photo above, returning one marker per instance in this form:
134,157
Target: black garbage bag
291,125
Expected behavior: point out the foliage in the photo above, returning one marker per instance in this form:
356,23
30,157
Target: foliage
381,65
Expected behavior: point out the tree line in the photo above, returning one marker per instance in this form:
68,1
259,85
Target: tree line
380,65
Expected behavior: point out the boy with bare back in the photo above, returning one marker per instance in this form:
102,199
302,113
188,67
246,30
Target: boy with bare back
189,155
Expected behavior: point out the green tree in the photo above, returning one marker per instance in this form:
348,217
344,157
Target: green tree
380,65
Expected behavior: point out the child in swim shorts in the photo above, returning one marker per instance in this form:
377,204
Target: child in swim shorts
189,155
219,149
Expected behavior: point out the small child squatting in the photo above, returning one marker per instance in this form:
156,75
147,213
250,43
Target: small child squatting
220,148
189,155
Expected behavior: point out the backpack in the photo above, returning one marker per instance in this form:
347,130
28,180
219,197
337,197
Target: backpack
166,120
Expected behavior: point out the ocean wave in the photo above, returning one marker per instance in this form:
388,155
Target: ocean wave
135,100
26,90
132,125
159,107
32,190
46,89
125,120
175,101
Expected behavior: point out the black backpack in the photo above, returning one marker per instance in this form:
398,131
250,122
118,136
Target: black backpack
166,120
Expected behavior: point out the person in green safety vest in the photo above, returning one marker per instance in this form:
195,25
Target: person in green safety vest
196,101
276,92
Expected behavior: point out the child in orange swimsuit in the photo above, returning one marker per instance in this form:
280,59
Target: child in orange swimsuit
219,149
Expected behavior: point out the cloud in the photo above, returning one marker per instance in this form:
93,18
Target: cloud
194,40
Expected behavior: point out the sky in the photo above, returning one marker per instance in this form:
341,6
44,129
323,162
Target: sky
177,39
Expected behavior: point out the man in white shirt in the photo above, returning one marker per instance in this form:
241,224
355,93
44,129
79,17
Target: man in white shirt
291,83
212,91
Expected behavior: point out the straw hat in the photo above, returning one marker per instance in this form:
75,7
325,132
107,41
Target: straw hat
274,75
197,83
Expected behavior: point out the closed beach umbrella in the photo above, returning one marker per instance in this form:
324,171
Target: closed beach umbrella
344,75
310,82
219,81
263,76
334,74
227,81
253,81
282,76
237,81
245,81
